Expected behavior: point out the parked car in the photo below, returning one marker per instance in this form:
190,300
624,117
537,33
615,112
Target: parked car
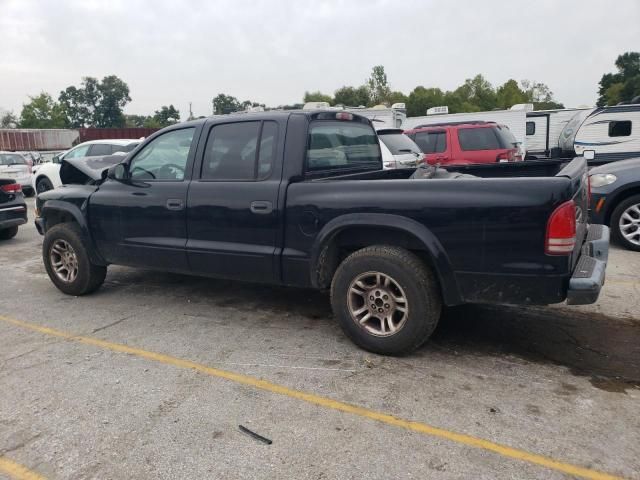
398,150
47,175
13,209
16,166
615,200
466,143
301,199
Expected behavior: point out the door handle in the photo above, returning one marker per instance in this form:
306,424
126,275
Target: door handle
261,207
175,204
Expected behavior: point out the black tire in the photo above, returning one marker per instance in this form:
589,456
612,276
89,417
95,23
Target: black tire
89,276
43,185
28,192
417,284
8,233
615,223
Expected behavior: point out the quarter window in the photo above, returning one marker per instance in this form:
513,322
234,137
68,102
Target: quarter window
478,139
164,158
231,152
620,129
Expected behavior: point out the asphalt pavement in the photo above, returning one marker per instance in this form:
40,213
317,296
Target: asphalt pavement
151,376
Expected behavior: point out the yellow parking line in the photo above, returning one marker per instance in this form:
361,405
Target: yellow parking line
419,427
17,471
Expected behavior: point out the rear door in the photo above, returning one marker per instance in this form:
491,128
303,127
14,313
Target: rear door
435,144
233,219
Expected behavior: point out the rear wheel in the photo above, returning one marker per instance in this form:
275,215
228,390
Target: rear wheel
625,223
43,185
67,261
386,299
8,233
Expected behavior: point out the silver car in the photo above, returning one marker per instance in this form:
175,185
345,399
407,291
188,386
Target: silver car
398,150
15,166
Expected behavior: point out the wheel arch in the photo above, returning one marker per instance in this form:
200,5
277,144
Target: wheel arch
345,234
55,212
619,196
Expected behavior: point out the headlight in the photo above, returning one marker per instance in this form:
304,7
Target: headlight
602,179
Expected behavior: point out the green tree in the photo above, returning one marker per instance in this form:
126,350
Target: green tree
420,99
317,96
42,112
397,97
624,85
379,90
352,96
134,121
540,95
95,103
223,104
8,120
476,94
510,94
167,116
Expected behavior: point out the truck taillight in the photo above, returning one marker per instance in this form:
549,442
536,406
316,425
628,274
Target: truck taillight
561,230
11,188
508,156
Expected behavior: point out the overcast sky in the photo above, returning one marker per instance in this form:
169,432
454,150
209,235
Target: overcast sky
176,52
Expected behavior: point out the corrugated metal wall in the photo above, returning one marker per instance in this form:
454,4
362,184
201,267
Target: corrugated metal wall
35,139
15,139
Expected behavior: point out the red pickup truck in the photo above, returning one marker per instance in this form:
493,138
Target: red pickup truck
466,143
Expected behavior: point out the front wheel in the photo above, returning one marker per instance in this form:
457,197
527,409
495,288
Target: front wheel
625,223
43,185
67,261
386,299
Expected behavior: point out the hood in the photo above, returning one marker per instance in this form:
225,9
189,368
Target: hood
85,170
617,167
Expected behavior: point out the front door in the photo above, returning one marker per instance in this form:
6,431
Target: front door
233,216
141,221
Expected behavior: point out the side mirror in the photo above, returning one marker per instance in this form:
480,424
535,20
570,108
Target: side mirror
56,159
589,155
118,172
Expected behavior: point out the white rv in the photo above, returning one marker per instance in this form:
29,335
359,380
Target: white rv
612,132
543,129
382,116
515,119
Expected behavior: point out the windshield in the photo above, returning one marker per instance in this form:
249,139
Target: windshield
399,143
12,159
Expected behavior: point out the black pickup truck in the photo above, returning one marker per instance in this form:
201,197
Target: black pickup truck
300,199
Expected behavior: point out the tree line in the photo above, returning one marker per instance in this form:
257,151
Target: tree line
100,103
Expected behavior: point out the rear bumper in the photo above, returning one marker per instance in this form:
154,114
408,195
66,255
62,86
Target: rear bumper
589,274
13,216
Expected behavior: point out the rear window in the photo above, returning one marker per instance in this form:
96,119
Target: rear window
399,143
432,142
12,159
478,139
342,146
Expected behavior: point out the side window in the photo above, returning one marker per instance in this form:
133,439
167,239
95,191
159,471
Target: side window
620,128
78,152
531,128
342,146
240,151
478,139
99,149
432,142
165,158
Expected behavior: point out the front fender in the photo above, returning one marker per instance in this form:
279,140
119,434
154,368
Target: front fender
422,234
53,210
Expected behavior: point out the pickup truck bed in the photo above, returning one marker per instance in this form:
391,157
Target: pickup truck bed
300,199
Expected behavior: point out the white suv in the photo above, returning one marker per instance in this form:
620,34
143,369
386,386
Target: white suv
47,175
